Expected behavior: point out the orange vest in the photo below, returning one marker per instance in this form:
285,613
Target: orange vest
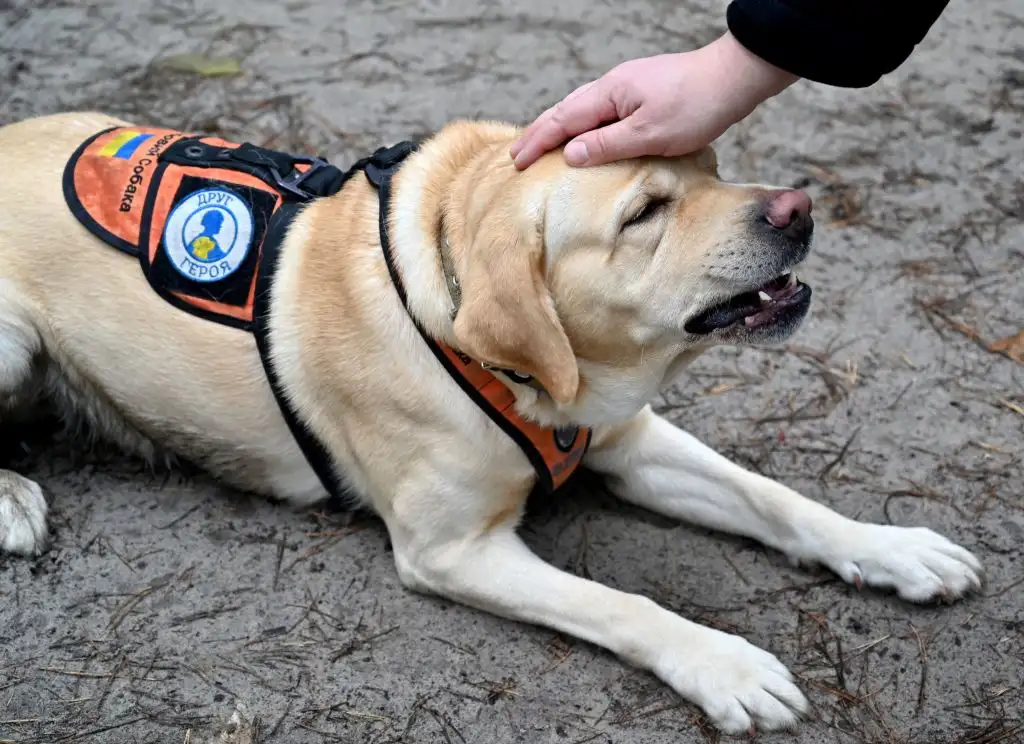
206,218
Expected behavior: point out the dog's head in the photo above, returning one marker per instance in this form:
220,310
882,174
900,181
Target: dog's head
603,282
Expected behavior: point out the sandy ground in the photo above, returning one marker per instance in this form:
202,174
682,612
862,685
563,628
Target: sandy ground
168,602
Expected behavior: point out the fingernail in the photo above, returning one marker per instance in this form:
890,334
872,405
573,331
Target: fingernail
514,150
576,153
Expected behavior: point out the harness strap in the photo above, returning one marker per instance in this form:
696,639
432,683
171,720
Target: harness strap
312,448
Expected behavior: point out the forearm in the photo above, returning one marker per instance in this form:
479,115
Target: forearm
751,74
845,43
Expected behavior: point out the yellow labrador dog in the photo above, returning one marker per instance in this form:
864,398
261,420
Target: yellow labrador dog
580,292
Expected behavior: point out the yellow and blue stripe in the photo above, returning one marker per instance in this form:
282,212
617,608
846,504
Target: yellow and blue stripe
124,145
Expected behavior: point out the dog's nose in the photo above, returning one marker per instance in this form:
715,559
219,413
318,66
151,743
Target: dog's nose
790,213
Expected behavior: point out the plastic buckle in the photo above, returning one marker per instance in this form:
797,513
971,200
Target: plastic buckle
386,157
384,160
293,182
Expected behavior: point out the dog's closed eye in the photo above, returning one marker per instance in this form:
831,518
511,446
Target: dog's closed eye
647,210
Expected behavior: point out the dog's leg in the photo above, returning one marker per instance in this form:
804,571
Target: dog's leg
654,464
737,684
22,505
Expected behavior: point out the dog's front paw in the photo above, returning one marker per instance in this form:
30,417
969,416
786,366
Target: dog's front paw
739,686
22,515
919,564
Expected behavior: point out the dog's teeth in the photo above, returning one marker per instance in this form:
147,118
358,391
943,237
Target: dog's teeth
765,297
792,281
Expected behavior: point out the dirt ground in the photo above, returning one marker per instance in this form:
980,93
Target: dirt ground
169,602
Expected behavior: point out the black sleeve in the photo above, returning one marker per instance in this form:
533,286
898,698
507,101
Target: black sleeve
845,43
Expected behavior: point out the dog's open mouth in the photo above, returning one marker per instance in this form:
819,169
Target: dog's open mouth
778,300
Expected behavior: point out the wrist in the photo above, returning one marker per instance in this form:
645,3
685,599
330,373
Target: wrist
752,78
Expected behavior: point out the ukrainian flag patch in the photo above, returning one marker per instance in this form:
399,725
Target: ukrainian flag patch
124,145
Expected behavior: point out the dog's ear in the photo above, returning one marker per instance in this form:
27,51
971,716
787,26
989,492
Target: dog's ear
507,318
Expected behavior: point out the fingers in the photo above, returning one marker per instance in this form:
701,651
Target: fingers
618,141
544,119
585,108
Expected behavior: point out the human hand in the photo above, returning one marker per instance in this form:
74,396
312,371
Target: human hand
670,104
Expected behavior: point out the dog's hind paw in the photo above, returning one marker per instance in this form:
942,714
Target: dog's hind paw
22,515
